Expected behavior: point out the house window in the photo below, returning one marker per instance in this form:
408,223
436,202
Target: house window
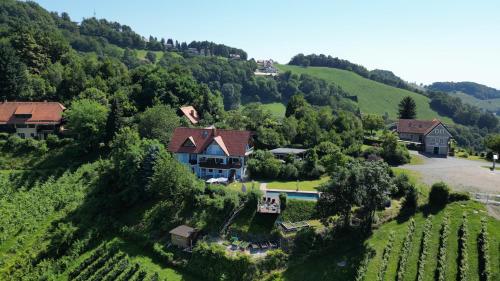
220,171
21,135
210,170
32,135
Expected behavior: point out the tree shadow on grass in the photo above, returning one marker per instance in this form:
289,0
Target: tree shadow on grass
337,261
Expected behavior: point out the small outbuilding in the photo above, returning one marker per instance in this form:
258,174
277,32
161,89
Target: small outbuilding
183,236
283,152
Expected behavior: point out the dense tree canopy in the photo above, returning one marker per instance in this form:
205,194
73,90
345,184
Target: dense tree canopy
407,108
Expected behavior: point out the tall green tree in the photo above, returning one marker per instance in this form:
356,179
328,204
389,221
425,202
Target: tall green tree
295,102
115,119
372,122
407,108
86,121
493,142
158,122
12,73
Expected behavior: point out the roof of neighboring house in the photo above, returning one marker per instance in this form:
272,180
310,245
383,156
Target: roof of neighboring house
232,142
286,150
183,231
41,112
414,126
191,114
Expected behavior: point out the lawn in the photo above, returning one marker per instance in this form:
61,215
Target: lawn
490,104
236,186
142,54
373,97
310,185
277,109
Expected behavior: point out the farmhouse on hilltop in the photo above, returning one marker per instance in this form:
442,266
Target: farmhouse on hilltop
211,152
431,134
31,119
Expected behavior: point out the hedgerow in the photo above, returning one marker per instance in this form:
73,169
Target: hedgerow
405,250
128,273
424,248
88,261
442,252
91,269
117,270
107,267
463,256
483,252
385,257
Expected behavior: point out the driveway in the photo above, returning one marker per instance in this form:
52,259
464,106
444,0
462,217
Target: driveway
461,174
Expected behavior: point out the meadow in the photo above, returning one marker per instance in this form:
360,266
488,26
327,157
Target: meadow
373,97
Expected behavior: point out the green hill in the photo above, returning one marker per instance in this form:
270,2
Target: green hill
488,104
373,97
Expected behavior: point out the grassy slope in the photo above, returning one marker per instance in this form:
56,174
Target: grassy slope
276,108
373,97
492,104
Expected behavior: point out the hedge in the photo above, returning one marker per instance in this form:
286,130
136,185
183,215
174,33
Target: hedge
424,248
405,250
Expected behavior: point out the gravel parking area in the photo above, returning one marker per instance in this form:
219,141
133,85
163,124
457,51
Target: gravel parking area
461,174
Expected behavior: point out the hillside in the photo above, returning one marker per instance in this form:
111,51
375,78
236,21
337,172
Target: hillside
373,97
492,105
476,90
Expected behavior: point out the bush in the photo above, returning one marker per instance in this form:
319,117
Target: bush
275,259
459,196
53,141
401,185
166,257
439,195
299,210
283,200
4,136
289,172
410,202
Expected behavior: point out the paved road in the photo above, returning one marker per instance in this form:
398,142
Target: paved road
462,174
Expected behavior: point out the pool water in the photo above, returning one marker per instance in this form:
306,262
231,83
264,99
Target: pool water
295,195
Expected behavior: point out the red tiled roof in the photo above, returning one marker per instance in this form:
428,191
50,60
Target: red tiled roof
233,142
414,126
41,112
191,114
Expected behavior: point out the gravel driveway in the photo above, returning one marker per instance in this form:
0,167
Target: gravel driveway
461,174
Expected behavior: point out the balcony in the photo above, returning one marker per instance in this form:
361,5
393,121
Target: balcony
211,164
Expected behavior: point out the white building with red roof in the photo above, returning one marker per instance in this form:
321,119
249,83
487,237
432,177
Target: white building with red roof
211,152
431,134
31,119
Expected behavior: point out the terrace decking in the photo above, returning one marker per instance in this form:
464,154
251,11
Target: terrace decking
269,205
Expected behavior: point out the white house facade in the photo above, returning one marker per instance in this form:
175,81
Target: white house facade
212,153
432,135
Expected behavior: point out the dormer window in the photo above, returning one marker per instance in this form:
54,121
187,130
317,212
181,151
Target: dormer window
189,142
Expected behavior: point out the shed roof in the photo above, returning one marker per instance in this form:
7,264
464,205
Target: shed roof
286,150
183,231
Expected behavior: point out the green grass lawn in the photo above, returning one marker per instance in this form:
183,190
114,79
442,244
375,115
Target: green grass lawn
373,97
310,185
277,109
142,54
416,160
236,186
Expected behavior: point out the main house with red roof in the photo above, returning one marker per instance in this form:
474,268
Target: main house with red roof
211,152
31,119
431,134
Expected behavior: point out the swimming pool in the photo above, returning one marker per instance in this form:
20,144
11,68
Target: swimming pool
295,195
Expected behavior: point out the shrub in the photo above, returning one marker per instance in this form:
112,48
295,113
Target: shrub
483,252
166,257
385,257
283,200
299,210
289,172
53,141
401,185
275,259
405,250
410,202
439,194
459,196
424,248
